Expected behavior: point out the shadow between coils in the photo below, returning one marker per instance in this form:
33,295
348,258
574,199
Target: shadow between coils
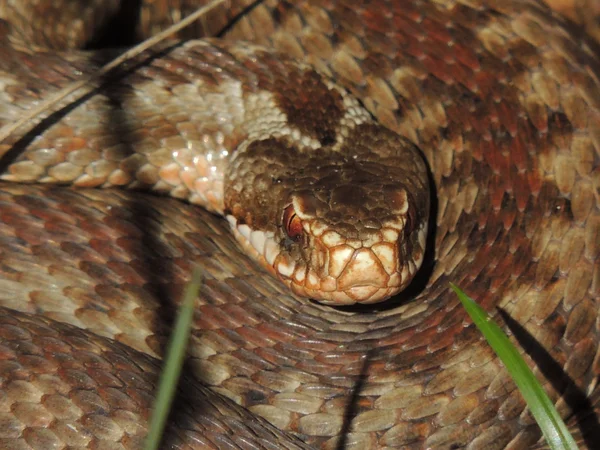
578,402
158,270
351,411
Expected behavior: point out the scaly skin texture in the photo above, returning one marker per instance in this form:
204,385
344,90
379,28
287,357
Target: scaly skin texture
503,101
218,125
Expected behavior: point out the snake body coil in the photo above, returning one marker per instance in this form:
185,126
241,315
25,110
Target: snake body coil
329,193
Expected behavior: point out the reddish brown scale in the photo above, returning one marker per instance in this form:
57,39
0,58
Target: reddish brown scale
501,97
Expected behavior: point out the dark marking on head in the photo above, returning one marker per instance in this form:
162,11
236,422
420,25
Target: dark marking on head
348,195
328,140
311,106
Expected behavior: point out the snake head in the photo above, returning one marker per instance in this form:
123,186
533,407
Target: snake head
339,249
333,227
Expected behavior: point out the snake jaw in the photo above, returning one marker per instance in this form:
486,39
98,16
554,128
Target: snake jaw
346,271
321,257
340,275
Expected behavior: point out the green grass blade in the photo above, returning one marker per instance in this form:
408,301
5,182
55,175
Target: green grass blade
553,428
173,362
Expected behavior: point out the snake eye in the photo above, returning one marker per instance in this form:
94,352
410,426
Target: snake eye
292,224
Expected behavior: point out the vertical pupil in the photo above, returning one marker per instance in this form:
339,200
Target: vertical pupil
292,223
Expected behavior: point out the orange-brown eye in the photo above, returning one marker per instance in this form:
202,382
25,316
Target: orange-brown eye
292,223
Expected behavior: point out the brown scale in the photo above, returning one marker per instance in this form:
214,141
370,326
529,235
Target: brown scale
508,117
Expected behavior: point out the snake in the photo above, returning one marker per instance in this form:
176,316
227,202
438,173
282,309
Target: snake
331,166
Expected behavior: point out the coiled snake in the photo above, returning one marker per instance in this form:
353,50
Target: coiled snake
501,99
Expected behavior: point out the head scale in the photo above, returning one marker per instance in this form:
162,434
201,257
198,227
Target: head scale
343,224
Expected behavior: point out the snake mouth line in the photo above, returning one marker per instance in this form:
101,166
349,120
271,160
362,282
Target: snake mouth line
364,294
362,278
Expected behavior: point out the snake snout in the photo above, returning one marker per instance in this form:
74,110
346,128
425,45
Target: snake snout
364,275
340,270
